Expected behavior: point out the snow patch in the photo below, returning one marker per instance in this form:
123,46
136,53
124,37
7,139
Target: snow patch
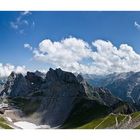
28,125
9,119
25,125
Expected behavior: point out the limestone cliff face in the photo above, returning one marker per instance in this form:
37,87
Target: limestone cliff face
1,85
101,94
16,85
61,89
19,85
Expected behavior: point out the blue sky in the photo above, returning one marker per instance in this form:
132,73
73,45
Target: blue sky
34,27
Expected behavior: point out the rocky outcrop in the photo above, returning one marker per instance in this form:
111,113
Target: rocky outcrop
106,96
40,74
19,85
34,81
16,85
2,82
1,87
15,114
98,93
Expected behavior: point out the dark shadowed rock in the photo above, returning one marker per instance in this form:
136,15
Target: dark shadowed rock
16,85
60,75
80,78
62,89
40,74
34,81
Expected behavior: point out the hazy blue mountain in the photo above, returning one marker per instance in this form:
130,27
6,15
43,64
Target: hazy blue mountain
124,85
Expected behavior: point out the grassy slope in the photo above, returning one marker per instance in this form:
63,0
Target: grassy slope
3,124
120,118
101,123
109,121
83,112
135,114
92,124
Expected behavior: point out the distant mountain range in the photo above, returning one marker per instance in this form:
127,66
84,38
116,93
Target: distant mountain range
64,100
126,86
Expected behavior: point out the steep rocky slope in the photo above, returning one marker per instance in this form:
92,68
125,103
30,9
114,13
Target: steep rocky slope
16,85
124,85
2,82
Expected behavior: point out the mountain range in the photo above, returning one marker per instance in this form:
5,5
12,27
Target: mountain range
126,86
62,99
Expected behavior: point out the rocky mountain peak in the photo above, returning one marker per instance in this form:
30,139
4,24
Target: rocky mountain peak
33,78
13,74
59,75
80,78
40,74
16,85
14,77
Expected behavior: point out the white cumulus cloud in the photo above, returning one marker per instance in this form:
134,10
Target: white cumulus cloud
28,46
6,69
137,25
26,13
77,55
65,54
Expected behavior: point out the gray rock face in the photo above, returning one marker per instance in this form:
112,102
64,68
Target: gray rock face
34,81
124,85
40,74
59,75
2,82
62,89
16,85
1,87
19,85
98,93
106,96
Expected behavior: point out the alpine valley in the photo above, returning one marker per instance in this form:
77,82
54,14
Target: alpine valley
63,100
